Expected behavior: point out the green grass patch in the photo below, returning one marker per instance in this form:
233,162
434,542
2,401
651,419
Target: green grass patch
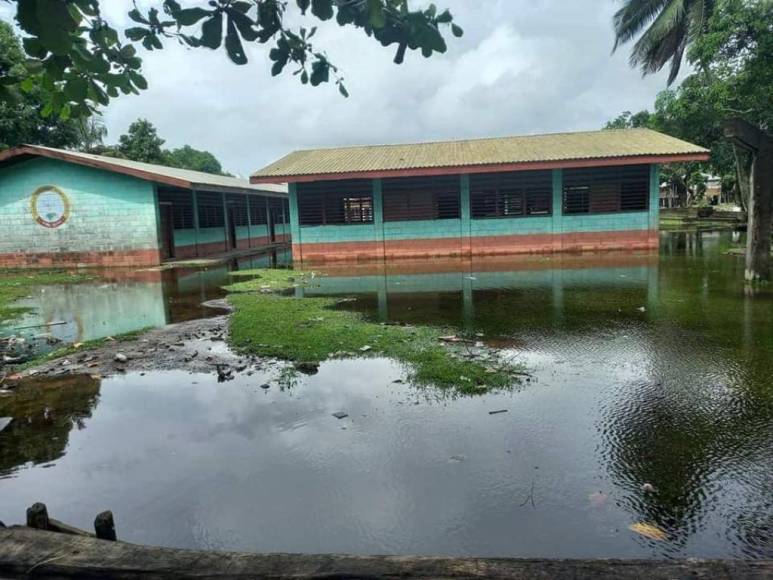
314,329
16,284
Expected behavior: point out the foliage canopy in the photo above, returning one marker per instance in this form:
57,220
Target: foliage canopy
80,61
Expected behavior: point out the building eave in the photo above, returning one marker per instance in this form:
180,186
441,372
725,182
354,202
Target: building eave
485,168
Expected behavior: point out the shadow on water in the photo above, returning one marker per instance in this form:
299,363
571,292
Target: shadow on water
35,423
646,369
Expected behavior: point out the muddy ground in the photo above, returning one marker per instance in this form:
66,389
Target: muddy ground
197,346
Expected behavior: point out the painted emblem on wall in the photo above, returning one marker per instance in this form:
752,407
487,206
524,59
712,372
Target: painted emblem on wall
50,206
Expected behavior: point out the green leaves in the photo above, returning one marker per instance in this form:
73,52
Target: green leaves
212,31
78,61
233,44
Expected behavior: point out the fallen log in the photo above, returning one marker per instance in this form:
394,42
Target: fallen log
44,554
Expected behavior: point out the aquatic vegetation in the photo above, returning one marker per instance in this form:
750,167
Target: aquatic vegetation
15,284
267,323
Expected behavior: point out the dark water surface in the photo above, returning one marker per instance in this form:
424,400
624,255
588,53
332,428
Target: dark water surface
646,369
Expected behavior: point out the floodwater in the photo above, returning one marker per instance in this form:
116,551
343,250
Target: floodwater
120,301
646,369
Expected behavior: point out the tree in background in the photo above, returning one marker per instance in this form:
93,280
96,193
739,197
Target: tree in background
82,62
667,27
187,157
91,134
733,78
141,143
20,119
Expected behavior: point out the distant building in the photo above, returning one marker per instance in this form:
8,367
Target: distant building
542,193
61,208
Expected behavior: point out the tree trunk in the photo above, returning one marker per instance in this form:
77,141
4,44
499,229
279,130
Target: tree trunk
758,242
743,177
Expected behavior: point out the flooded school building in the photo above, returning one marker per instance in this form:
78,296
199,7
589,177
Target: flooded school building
63,208
536,194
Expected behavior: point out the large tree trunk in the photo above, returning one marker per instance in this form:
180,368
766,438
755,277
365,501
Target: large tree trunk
760,145
743,176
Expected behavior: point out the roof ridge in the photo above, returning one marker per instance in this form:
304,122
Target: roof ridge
475,139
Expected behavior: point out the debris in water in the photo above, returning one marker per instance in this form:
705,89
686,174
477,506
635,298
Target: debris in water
120,357
306,367
497,412
642,309
340,414
457,458
598,499
651,531
648,488
265,386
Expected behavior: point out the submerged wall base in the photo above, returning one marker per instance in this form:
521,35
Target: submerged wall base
476,246
81,259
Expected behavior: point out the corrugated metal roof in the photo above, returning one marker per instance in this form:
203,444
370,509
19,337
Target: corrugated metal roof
147,171
604,144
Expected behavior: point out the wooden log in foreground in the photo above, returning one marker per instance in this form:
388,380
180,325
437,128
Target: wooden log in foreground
43,554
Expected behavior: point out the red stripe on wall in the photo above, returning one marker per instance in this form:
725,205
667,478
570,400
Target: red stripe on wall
479,246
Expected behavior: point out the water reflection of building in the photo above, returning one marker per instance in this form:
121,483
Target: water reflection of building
122,300
42,414
478,293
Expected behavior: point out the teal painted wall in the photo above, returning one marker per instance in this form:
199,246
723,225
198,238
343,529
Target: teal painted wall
185,237
108,211
422,229
556,223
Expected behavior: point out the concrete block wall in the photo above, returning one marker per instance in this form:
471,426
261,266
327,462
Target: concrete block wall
112,219
477,237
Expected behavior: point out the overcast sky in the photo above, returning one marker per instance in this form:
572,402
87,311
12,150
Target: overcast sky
523,66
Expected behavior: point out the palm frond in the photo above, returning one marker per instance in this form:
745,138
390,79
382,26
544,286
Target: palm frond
629,20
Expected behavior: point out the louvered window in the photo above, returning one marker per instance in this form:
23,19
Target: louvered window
210,210
606,190
257,206
182,207
423,198
237,204
516,194
335,202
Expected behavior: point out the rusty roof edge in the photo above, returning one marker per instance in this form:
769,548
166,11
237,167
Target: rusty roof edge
104,163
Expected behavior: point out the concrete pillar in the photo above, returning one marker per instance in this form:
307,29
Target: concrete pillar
195,195
225,222
468,303
654,205
557,209
378,214
249,199
295,227
466,215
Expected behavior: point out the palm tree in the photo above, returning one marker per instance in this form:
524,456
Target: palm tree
668,25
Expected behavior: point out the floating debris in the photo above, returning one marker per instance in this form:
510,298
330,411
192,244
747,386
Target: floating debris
340,415
120,357
497,412
648,530
648,488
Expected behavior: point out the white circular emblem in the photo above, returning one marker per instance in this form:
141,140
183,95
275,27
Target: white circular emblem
50,206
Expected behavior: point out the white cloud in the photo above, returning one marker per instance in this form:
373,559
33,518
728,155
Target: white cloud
522,67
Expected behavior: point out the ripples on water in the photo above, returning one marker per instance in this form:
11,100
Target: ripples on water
646,370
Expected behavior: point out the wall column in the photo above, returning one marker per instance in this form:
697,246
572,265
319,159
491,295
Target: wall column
557,210
249,220
654,197
654,207
195,196
466,215
225,222
378,214
295,227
